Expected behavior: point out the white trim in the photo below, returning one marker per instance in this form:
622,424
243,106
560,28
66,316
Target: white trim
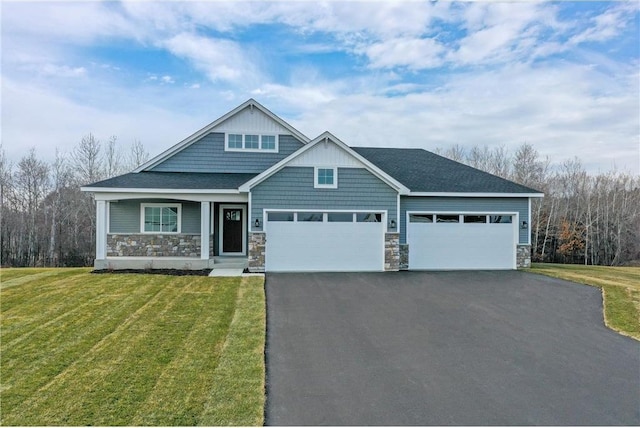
252,150
155,190
478,195
198,134
108,217
196,197
398,216
205,231
221,229
101,230
317,185
528,226
326,137
144,205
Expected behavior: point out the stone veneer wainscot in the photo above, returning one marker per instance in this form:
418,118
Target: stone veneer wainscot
152,245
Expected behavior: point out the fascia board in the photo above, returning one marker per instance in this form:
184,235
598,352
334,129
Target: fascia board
147,190
478,194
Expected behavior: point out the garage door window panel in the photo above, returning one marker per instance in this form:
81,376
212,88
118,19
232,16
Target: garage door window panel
369,217
421,218
475,218
310,216
501,218
447,218
280,216
340,217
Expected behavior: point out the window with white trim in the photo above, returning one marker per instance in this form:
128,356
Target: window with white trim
326,178
251,143
160,218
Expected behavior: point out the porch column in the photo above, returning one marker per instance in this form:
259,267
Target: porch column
205,229
101,229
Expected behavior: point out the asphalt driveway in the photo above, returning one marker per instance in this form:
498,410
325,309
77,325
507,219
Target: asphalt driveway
444,348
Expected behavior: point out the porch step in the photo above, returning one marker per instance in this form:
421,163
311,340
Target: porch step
230,263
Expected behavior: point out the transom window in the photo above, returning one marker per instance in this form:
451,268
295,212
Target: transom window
326,178
164,218
251,142
325,217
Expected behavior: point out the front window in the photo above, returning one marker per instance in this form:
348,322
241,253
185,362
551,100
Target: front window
268,142
235,141
161,218
251,143
326,177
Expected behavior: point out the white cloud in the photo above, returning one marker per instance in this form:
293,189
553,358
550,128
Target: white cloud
63,71
219,59
411,53
609,24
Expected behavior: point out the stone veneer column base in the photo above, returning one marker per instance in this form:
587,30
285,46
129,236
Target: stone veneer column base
523,256
256,251
404,257
392,251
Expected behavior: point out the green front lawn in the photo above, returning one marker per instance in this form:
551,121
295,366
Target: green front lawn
620,290
127,349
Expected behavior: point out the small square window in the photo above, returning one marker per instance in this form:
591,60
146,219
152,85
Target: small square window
251,142
268,142
326,177
235,141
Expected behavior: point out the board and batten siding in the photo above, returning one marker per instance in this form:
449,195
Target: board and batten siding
459,205
292,188
124,216
208,155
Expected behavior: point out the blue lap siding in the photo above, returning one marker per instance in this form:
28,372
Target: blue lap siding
456,205
208,155
292,188
124,216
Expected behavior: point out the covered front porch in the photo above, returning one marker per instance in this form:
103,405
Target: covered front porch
177,231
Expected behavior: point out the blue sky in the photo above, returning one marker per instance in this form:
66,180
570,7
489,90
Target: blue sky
563,76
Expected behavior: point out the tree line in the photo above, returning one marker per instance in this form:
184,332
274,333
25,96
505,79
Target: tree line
45,220
583,218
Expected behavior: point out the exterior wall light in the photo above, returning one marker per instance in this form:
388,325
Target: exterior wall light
257,222
523,225
392,224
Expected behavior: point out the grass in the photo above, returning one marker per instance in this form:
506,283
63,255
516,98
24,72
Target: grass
620,291
127,349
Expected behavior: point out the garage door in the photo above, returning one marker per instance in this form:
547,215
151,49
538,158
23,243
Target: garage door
461,241
324,241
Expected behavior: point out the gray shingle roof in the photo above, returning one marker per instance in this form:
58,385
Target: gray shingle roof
423,171
175,180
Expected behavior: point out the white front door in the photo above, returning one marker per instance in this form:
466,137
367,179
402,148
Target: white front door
232,230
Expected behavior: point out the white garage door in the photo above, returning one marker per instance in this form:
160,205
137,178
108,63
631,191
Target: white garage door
324,241
462,241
